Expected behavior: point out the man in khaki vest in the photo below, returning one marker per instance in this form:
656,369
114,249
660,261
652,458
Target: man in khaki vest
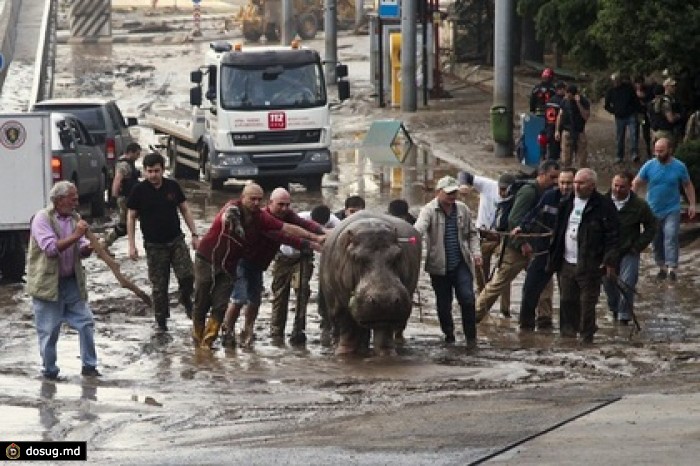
56,279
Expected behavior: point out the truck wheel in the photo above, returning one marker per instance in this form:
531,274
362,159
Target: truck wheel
184,172
313,183
307,26
272,34
217,184
97,202
14,259
251,32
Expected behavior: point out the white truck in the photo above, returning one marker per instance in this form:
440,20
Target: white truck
25,181
268,117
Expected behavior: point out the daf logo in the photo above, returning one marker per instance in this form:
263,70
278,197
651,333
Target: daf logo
243,137
12,134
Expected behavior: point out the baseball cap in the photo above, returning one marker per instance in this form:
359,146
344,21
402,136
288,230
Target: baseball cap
447,184
505,180
670,82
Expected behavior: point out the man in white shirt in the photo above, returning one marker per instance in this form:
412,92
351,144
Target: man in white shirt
491,192
294,268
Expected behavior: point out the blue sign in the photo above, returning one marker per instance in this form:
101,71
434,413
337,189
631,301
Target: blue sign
390,9
2,62
196,2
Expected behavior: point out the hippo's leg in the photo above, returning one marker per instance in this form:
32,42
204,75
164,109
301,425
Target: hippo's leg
384,341
350,336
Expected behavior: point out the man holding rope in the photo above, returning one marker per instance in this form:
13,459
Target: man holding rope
235,232
517,251
538,288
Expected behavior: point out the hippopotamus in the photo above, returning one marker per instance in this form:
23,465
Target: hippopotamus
368,272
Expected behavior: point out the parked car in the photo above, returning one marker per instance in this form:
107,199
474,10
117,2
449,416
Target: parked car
76,157
103,120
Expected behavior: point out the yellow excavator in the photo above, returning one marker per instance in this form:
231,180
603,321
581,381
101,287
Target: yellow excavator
264,18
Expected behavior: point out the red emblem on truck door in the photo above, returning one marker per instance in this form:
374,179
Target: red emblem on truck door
276,120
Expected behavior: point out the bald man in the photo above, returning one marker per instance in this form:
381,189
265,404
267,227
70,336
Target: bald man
248,286
236,232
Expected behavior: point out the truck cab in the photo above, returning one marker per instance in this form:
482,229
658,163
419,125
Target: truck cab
267,116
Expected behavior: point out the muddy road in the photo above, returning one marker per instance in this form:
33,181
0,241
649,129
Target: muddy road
161,401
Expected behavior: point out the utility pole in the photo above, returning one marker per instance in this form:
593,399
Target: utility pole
330,20
503,73
288,32
409,92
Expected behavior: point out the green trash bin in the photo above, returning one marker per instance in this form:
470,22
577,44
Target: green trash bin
501,122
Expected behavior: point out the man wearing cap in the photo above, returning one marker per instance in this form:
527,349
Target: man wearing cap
571,126
551,112
542,92
453,251
490,194
517,252
622,102
665,114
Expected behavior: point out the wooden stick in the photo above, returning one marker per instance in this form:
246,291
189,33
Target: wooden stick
114,266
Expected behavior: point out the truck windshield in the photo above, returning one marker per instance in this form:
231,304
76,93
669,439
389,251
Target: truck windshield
276,87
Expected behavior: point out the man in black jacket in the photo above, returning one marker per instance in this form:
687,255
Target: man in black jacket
621,101
637,230
586,238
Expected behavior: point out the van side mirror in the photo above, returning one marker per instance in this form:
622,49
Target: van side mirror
132,121
196,77
343,90
341,71
196,96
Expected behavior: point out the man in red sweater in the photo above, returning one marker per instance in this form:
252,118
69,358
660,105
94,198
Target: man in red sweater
235,232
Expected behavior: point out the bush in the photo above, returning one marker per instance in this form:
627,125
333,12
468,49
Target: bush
689,154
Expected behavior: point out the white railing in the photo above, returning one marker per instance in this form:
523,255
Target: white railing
42,84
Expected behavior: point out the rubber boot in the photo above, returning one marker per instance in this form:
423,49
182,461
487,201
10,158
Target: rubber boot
248,333
211,332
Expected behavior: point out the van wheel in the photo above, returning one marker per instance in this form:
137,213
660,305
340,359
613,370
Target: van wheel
14,259
97,203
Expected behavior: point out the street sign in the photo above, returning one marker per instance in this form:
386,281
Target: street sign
390,9
387,142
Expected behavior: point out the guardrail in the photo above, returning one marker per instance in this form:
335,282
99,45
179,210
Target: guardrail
42,84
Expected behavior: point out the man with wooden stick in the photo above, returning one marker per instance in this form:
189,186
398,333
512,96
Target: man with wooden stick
56,279
516,253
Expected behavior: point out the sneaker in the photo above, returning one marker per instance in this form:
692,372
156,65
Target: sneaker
624,322
672,275
53,376
298,337
506,313
89,371
662,275
450,338
471,344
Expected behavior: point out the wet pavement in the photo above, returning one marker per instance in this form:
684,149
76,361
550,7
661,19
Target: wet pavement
161,401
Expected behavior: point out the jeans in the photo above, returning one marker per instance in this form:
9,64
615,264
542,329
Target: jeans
249,284
461,280
48,317
621,302
620,128
536,280
665,242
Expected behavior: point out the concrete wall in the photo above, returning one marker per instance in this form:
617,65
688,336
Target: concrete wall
9,12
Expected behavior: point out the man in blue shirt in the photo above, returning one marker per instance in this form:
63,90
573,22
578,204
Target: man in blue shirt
663,175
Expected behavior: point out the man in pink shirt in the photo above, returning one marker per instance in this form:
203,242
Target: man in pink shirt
56,279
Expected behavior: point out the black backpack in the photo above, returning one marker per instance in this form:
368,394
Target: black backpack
657,119
503,208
